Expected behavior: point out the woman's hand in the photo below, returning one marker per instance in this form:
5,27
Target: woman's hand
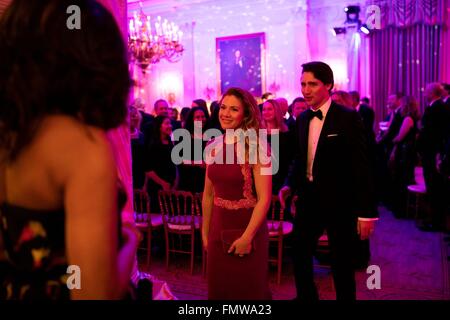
241,246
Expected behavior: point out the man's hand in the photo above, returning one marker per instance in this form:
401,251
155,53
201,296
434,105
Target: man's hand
365,229
283,194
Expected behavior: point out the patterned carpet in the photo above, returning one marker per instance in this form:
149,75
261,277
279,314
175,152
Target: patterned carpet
413,266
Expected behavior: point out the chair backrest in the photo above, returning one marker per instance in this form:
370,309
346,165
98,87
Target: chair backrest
176,204
198,204
141,202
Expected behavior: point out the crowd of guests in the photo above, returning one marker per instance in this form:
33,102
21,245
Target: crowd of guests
152,142
59,208
399,144
409,140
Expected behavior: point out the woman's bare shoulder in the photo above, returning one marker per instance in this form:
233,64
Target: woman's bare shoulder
68,141
65,129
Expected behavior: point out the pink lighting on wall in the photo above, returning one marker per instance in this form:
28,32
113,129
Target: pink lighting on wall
340,74
171,85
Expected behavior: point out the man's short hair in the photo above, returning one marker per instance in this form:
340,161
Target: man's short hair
436,89
266,95
298,99
321,71
355,96
446,87
158,101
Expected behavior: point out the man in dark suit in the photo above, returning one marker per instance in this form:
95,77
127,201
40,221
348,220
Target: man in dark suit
366,113
384,146
368,116
146,118
161,108
298,106
445,157
431,142
333,181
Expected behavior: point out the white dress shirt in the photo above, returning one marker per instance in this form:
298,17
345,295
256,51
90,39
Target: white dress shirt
315,128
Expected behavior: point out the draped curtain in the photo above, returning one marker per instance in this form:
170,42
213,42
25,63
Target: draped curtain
406,53
357,63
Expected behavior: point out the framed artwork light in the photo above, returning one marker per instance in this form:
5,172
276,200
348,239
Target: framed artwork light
240,62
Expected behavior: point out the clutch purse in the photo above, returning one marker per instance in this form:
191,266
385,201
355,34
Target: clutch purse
229,236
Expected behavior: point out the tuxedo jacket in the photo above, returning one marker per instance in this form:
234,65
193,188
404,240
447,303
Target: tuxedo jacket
368,117
393,130
290,122
343,176
435,130
146,118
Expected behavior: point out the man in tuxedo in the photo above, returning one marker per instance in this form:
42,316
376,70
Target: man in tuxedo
368,116
366,113
332,178
146,118
445,157
298,106
383,149
394,119
431,142
160,108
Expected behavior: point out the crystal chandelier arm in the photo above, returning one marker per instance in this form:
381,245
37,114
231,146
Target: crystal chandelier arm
149,45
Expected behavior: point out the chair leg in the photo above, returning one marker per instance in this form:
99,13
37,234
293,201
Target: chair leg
167,249
407,203
192,252
149,247
417,206
280,260
204,262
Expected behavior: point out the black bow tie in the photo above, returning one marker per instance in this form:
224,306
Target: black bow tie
317,114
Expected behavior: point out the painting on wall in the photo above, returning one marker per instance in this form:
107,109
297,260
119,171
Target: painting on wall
240,63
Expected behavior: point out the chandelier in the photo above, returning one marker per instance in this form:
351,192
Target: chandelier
149,43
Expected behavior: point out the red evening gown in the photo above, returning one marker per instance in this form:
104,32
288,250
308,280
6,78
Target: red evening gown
231,277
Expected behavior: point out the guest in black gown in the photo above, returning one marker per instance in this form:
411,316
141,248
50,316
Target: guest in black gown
402,159
192,171
137,148
161,172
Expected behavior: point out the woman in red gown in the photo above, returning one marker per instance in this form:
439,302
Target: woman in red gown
236,198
